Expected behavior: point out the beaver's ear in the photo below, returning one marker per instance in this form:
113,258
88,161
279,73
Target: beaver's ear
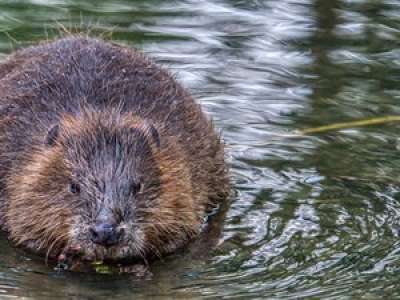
52,135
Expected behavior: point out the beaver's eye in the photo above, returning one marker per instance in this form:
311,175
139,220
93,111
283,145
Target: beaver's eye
136,188
74,188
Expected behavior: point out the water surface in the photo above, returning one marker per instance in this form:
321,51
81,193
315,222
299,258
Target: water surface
312,216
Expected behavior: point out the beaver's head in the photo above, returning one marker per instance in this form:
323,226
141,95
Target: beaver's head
112,185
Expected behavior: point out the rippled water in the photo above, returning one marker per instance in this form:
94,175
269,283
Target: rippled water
314,215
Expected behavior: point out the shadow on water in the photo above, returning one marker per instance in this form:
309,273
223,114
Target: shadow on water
313,216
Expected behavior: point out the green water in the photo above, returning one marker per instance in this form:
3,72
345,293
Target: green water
313,216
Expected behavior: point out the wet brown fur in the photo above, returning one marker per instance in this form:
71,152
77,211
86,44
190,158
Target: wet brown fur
84,84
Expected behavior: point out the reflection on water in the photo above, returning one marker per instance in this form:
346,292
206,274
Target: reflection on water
313,215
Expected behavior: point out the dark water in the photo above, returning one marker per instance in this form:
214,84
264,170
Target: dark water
315,216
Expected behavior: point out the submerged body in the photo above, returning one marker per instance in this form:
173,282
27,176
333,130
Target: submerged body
103,151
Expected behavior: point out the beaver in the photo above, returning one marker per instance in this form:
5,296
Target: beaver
102,151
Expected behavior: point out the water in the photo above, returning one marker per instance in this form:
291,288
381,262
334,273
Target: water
312,216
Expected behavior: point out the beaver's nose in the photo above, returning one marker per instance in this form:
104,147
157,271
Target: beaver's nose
105,234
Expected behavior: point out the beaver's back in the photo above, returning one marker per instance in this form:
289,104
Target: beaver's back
59,77
40,84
